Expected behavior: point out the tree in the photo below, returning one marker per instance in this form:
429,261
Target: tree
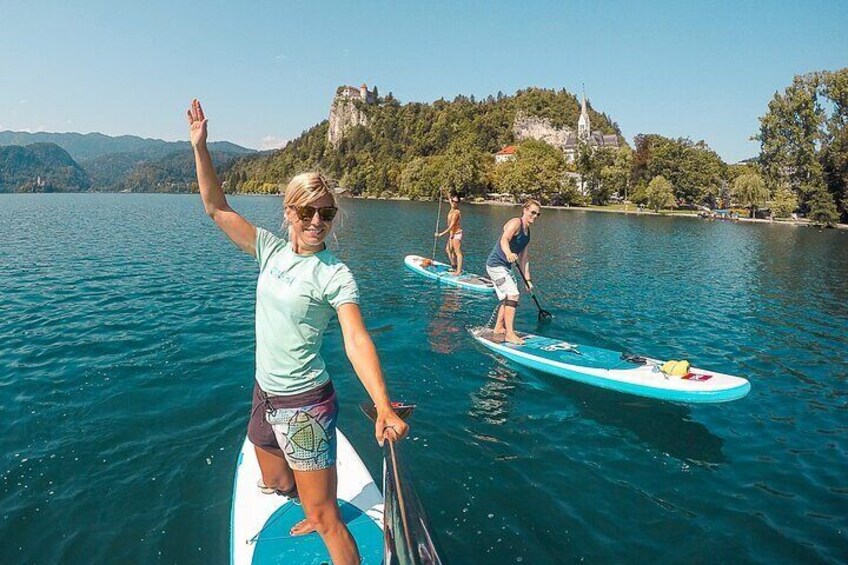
835,146
616,177
784,202
804,140
536,169
695,171
750,191
789,134
823,209
660,194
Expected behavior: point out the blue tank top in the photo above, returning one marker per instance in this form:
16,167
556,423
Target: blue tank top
519,241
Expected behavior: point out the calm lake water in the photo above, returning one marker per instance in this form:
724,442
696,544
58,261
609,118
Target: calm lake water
126,361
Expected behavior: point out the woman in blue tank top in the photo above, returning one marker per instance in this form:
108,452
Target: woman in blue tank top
511,248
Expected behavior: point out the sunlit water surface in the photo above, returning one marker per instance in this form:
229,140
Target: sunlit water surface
126,361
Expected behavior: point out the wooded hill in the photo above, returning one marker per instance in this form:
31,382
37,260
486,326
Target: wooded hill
101,162
41,167
453,142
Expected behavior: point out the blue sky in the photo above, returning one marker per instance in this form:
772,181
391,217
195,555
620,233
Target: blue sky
266,71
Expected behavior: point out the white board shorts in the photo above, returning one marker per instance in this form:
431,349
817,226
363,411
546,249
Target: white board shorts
503,280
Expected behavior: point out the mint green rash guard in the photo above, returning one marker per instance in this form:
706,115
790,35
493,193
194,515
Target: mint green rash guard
296,296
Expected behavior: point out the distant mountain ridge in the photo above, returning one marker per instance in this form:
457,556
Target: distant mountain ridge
85,146
106,163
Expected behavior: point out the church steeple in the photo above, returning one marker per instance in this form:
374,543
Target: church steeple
584,129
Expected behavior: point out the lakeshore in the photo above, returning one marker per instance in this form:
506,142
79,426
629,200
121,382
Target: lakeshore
615,209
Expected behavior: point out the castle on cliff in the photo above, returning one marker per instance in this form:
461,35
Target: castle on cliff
344,113
361,93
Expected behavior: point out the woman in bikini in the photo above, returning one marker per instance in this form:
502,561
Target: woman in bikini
454,244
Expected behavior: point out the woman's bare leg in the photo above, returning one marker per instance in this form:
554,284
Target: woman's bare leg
276,473
457,254
317,491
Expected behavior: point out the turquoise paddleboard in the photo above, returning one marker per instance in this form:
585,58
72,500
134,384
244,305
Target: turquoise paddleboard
260,523
608,369
441,272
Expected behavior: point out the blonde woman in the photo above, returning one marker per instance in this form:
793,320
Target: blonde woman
511,249
301,285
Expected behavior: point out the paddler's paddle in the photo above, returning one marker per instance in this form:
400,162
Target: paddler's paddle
544,315
408,540
438,217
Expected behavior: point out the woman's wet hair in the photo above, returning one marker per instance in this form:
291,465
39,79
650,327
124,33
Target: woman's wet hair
530,202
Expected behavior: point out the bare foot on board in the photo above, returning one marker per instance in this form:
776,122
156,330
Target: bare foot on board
302,528
513,338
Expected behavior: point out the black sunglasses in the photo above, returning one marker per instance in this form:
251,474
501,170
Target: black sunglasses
535,213
306,213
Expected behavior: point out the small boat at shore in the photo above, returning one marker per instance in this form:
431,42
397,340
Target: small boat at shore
631,374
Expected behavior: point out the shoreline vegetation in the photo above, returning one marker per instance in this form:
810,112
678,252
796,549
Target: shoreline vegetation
554,147
627,209
539,143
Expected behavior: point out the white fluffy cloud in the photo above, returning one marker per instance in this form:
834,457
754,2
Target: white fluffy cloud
271,142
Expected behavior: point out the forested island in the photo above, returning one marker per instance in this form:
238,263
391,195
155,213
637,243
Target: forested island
544,143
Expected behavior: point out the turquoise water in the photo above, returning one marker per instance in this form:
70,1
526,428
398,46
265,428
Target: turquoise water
126,365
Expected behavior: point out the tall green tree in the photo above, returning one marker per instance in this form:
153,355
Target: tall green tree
616,176
536,169
695,171
660,194
823,209
804,142
784,202
750,191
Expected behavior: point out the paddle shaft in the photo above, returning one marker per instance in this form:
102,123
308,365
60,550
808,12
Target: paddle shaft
438,217
542,311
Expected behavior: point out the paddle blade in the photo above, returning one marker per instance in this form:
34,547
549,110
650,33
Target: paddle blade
545,316
402,409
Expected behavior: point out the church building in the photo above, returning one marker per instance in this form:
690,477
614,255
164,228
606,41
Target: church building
595,139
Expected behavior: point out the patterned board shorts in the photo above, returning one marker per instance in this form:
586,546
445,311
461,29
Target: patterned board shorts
305,433
503,280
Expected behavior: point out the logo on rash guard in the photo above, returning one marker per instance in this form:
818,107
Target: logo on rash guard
281,276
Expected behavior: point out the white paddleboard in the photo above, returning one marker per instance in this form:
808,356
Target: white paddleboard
260,523
441,272
608,369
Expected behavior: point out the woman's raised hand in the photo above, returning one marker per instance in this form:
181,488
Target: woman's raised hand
196,124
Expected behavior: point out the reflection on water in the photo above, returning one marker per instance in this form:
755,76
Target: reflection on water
663,426
443,333
490,403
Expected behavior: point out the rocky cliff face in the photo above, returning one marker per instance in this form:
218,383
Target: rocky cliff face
345,113
531,127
